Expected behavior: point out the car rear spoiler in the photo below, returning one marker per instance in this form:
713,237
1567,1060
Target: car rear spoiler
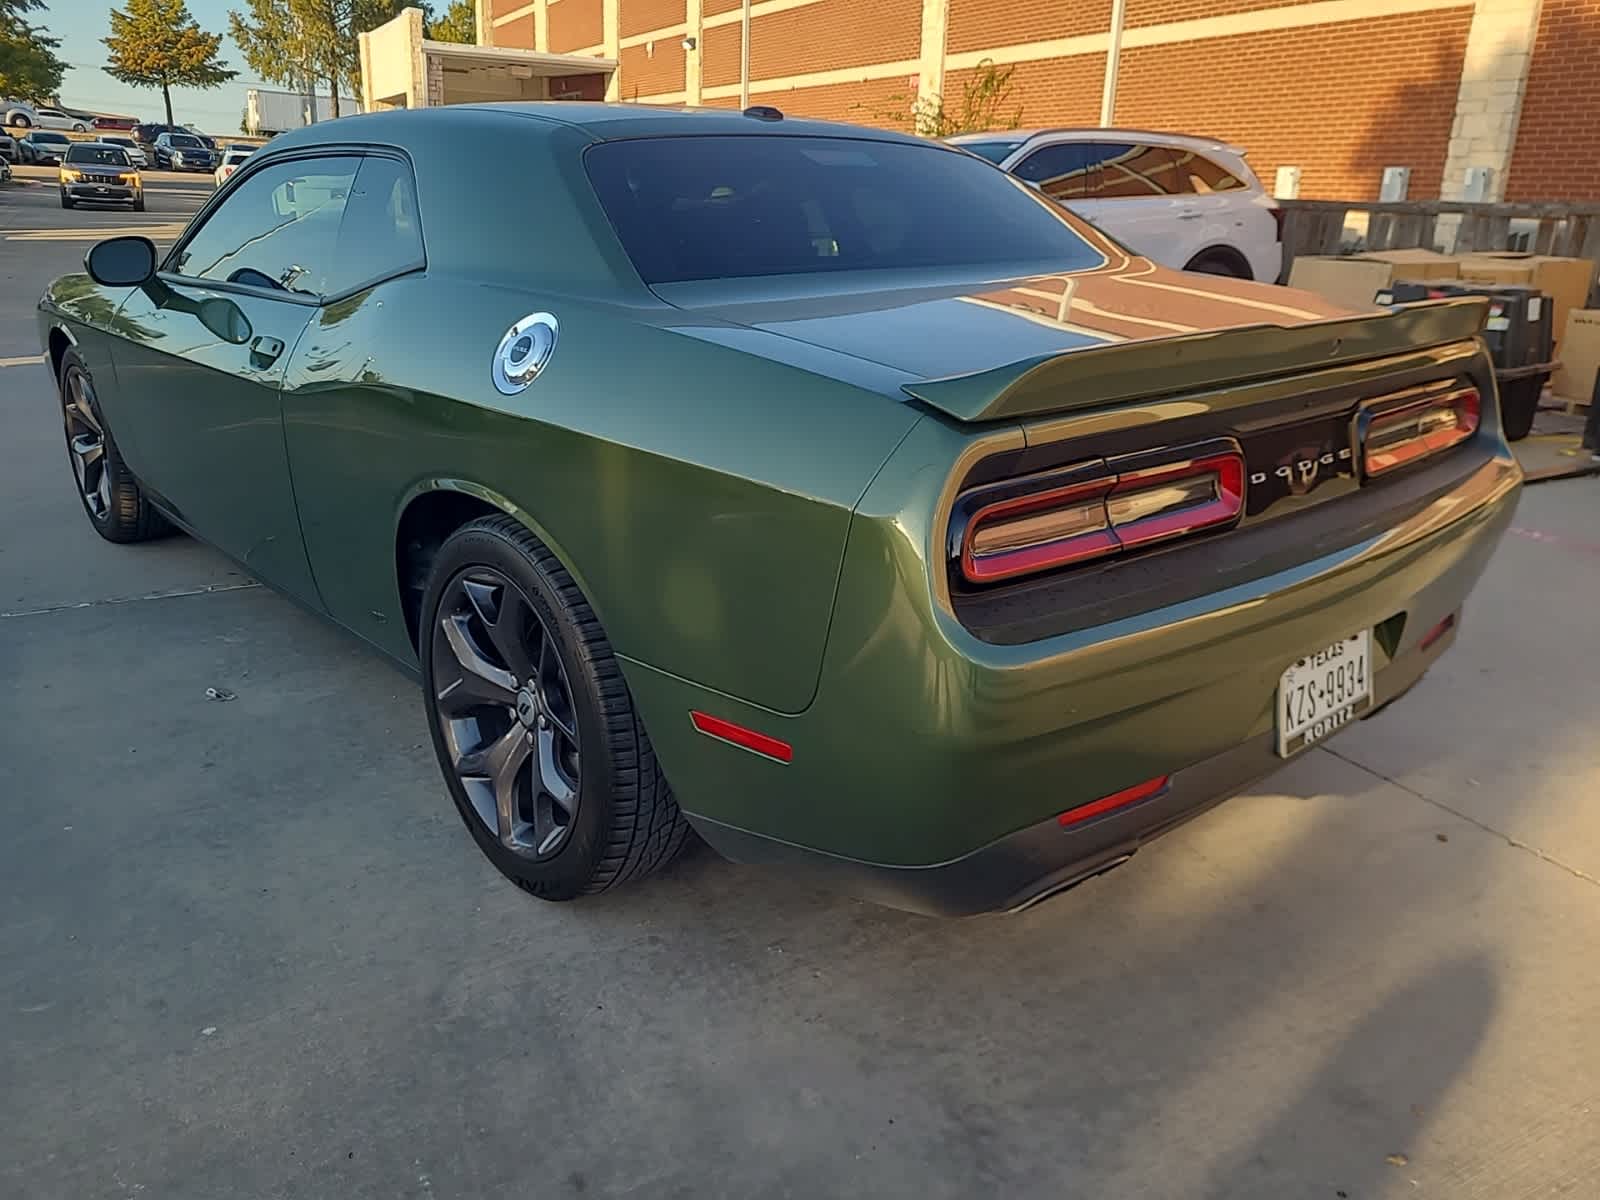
1142,370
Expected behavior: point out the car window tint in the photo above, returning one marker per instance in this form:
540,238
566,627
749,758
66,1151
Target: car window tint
1203,175
1129,170
1063,172
183,139
379,235
994,151
102,156
751,205
276,230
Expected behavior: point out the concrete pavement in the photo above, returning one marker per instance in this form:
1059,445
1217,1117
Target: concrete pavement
246,949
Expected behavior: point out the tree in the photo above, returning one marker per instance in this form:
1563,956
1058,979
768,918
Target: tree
984,106
293,41
156,43
29,69
459,24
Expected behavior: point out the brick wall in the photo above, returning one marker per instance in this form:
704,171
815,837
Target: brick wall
647,73
1557,154
641,16
1341,105
1340,99
575,25
983,24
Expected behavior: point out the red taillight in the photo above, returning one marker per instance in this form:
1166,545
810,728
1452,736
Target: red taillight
1127,796
1437,632
1413,431
738,735
1083,519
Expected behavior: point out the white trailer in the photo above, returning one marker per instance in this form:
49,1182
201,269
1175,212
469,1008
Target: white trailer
267,111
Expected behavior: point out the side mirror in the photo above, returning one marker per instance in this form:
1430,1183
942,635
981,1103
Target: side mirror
121,261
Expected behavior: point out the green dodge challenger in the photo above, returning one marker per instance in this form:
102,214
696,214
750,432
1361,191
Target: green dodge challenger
819,489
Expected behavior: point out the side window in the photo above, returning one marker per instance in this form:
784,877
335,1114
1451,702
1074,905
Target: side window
277,230
1129,171
380,234
1206,176
1063,172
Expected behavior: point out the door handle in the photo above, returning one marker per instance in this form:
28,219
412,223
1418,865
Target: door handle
1190,214
264,351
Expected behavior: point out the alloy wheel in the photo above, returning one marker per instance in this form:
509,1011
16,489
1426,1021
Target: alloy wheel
86,441
504,702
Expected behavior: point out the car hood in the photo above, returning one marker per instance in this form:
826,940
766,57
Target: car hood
965,344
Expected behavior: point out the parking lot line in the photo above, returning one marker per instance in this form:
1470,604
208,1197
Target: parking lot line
25,360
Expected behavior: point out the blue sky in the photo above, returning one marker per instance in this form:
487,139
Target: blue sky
80,24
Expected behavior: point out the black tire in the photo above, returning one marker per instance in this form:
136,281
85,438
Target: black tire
22,122
626,823
138,204
66,201
1519,402
119,511
1214,262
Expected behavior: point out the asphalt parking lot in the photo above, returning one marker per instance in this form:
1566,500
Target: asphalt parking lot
246,949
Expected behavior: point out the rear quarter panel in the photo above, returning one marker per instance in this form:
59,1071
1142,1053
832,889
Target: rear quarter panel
700,496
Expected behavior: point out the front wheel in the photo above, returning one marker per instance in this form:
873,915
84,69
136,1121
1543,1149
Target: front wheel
66,200
138,204
534,727
21,122
115,503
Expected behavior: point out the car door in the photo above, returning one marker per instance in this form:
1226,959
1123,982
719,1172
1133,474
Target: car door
1138,196
201,381
50,118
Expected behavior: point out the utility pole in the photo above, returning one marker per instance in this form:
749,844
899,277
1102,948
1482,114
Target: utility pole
744,56
1108,96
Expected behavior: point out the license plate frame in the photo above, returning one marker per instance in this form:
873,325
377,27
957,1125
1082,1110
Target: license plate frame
1323,692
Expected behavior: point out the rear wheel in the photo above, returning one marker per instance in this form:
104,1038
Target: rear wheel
534,728
116,506
1519,402
1219,262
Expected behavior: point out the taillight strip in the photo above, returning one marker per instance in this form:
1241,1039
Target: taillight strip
1089,525
1387,445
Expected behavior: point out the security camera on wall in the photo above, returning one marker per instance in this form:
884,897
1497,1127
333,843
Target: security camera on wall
690,43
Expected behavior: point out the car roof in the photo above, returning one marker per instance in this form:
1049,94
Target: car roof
599,121
1098,133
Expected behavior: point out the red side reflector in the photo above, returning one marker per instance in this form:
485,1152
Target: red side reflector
738,735
1132,795
1438,631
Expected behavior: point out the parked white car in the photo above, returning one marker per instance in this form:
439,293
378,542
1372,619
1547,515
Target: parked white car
54,118
232,157
129,147
15,112
1186,202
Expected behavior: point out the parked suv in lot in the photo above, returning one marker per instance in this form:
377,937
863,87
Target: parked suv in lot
181,152
1187,202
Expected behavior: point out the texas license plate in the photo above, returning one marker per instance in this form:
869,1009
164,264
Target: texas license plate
1324,692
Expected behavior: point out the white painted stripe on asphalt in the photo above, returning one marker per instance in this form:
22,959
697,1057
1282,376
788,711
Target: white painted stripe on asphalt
93,233
26,360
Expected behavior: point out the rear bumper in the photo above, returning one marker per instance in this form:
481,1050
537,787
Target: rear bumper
929,770
1043,859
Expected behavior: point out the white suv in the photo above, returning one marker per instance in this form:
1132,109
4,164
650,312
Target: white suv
1187,202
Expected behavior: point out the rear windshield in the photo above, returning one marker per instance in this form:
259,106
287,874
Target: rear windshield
51,137
738,206
993,151
184,140
118,141
104,156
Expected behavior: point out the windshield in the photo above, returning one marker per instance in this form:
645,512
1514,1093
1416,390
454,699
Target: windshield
995,152
748,205
184,140
101,156
51,137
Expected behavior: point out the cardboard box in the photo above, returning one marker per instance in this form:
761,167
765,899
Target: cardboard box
1354,279
1497,270
1565,280
1580,356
